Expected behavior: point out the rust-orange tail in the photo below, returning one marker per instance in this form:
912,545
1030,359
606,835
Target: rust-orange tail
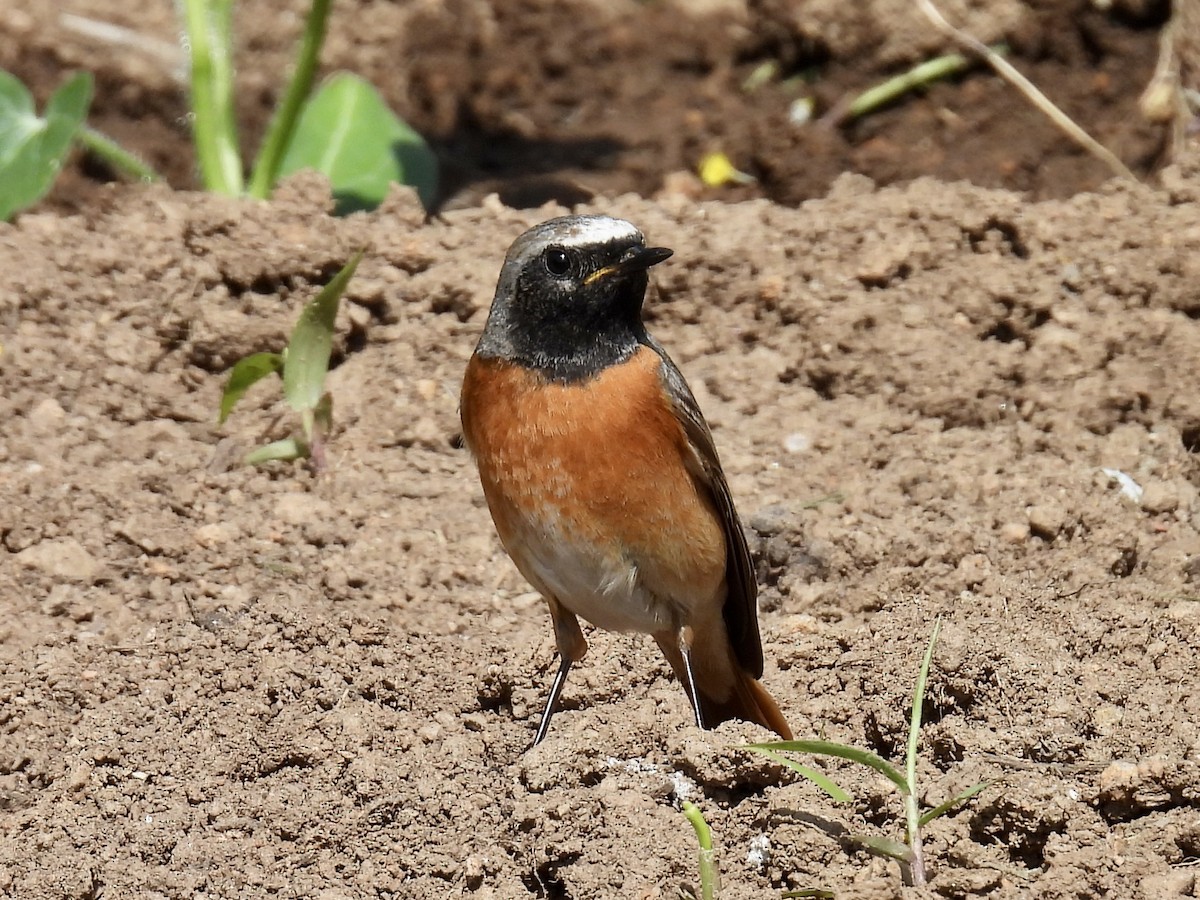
725,691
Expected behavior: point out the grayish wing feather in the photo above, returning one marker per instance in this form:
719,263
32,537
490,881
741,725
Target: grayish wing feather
740,611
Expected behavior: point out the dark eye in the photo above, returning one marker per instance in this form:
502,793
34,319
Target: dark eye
556,261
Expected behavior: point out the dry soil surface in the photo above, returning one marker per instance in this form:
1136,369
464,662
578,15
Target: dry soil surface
932,400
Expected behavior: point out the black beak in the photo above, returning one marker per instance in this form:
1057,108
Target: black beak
639,259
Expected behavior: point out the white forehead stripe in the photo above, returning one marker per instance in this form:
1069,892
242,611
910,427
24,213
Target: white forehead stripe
591,230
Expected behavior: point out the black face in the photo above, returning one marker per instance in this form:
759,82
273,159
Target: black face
568,307
583,284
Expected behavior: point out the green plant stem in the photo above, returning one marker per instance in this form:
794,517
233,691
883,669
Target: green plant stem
283,123
708,864
912,806
115,155
210,35
925,73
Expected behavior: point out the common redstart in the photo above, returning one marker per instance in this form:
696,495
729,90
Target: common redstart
600,471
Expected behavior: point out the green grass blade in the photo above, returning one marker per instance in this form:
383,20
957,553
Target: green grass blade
33,148
820,779
835,497
816,893
918,700
709,876
841,751
285,450
918,76
348,133
104,147
282,129
247,372
307,360
957,800
209,25
888,847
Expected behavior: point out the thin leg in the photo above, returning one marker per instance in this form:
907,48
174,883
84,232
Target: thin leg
685,648
556,689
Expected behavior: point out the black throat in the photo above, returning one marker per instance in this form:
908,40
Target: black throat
565,351
569,336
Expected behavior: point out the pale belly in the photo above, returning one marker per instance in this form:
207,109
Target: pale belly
599,582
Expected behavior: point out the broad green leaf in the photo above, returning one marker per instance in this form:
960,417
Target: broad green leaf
32,149
820,779
308,350
888,847
285,450
957,800
347,132
245,374
841,751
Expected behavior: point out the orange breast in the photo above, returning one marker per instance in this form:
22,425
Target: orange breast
600,466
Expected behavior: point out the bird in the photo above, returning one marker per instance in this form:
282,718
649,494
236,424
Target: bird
600,471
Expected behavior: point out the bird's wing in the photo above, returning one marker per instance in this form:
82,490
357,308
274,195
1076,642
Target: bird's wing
740,611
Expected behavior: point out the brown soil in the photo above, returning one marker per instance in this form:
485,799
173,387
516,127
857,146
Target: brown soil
544,100
218,681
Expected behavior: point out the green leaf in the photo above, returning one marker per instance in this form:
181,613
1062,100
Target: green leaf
32,149
841,751
820,779
285,450
245,374
308,350
815,893
884,846
918,701
957,800
347,132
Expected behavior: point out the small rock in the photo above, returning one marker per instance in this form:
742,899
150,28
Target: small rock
1119,777
773,519
1107,719
973,569
65,558
1014,532
1160,497
1191,569
1047,520
797,442
46,416
79,777
301,509
1177,883
215,533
